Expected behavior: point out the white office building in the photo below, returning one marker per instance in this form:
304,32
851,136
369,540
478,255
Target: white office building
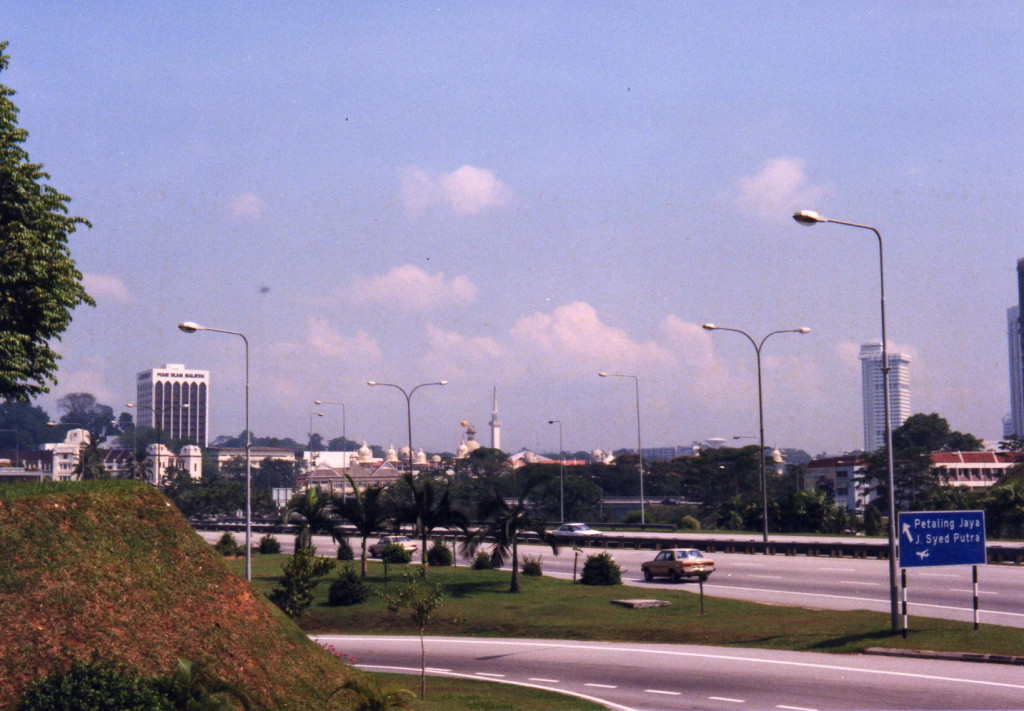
175,400
872,387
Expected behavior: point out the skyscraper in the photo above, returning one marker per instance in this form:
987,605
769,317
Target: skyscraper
874,393
1015,425
174,400
495,423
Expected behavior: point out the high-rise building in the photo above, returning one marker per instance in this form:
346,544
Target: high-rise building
175,400
872,387
1015,423
495,423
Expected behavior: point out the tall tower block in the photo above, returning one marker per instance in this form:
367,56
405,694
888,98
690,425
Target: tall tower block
495,423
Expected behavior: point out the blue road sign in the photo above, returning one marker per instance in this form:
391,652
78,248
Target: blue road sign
941,538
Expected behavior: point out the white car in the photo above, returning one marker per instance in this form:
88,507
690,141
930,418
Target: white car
407,543
577,530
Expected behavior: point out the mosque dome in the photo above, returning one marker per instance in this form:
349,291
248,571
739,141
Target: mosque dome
463,451
597,456
472,445
420,458
391,455
365,453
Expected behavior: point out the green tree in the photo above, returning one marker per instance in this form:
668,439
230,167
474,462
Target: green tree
24,426
428,509
316,512
84,410
932,433
294,592
90,460
504,523
39,282
372,695
193,686
368,511
422,597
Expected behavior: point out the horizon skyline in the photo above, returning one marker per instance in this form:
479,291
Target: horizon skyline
524,196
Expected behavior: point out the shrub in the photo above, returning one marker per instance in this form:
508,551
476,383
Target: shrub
601,569
531,565
268,544
689,523
483,561
440,555
632,516
345,551
94,686
227,545
395,554
294,592
348,589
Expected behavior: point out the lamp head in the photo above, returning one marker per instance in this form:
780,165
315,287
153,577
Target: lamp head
442,382
318,402
551,422
803,330
808,217
603,375
709,327
371,382
129,404
189,326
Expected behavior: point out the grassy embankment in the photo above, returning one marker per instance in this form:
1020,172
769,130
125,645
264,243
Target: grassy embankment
479,605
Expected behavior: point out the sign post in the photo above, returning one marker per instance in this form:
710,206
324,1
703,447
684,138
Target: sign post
932,538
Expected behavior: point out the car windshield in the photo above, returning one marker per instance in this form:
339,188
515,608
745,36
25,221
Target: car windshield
689,554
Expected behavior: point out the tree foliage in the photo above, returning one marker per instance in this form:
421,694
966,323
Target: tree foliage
39,282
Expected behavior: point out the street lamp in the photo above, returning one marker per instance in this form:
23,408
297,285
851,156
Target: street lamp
760,408
561,472
344,436
408,406
191,327
311,416
639,450
811,218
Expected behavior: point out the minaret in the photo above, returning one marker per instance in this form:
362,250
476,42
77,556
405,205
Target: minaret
495,424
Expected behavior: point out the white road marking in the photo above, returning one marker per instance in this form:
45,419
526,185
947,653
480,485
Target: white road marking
496,676
794,708
602,686
770,577
663,693
936,575
726,698
859,582
546,681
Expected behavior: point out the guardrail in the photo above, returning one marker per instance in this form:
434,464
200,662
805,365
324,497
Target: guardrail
1012,553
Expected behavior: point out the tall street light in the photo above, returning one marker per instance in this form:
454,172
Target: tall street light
408,405
811,218
760,408
639,450
561,472
344,436
311,416
190,327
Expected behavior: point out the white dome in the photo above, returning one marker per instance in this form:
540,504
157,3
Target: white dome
420,458
472,445
391,455
463,451
365,453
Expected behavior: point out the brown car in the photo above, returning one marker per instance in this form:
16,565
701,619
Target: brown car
676,563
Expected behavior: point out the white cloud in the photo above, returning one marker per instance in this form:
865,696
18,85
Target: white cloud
410,288
325,340
778,190
454,356
467,190
246,205
102,287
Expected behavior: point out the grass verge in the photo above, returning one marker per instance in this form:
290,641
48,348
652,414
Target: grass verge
478,604
447,693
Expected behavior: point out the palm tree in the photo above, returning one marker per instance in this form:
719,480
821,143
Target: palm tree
317,513
90,460
192,686
374,696
427,511
504,523
368,511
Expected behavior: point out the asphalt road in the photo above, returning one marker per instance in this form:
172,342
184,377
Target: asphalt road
666,677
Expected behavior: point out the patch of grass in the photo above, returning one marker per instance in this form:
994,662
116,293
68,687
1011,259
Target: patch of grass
446,693
478,604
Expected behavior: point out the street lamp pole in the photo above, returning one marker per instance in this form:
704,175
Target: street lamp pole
344,436
760,409
810,218
561,472
408,406
190,327
639,446
311,416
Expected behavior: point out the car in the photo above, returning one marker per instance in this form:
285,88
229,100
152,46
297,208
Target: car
670,502
578,530
407,543
676,563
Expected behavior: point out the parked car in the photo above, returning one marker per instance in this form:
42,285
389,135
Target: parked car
676,563
407,543
577,530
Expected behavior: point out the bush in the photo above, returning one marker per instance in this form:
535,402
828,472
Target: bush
294,592
632,516
348,589
268,544
395,554
531,565
93,686
440,555
227,545
483,561
689,523
345,551
600,569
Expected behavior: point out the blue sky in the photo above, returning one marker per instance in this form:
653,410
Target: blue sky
520,195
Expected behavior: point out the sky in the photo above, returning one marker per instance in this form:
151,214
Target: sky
521,195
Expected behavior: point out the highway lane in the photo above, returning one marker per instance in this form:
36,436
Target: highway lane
667,677
823,583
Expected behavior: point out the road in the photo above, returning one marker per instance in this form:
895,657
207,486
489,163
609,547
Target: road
823,583
667,677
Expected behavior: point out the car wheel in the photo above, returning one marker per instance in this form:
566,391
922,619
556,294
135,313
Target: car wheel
673,576
647,575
